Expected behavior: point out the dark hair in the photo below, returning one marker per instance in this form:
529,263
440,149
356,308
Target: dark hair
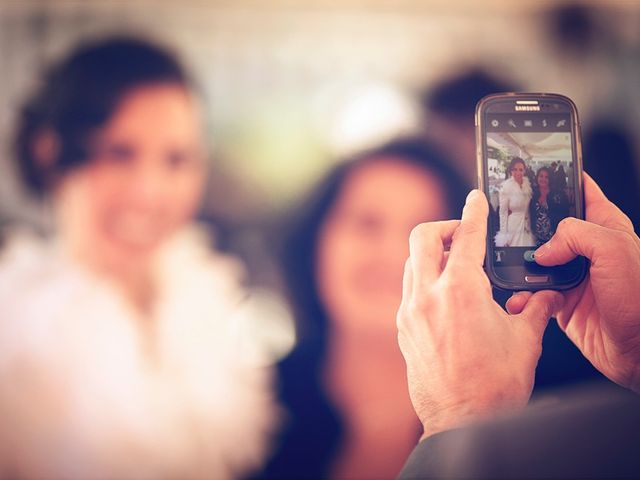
515,160
301,389
78,95
617,176
301,242
543,169
573,28
457,96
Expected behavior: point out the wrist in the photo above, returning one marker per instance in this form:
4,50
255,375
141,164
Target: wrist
469,412
623,368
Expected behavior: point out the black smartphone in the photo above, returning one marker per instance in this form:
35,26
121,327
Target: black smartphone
530,168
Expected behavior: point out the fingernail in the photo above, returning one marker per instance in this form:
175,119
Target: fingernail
472,194
542,250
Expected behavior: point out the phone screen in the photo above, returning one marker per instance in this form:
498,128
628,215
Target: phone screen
531,169
530,179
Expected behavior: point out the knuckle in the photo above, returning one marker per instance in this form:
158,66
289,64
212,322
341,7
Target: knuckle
463,282
455,281
420,232
567,223
460,271
420,305
543,308
408,314
415,309
401,318
467,228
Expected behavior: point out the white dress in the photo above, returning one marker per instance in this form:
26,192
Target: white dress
84,393
515,225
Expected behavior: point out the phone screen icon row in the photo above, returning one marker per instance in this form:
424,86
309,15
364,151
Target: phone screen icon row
528,123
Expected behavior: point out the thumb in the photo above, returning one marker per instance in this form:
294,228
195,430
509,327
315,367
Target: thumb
539,308
573,237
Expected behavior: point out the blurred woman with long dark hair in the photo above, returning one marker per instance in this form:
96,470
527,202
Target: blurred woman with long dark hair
344,385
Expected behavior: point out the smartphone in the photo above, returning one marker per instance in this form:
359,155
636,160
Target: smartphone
530,168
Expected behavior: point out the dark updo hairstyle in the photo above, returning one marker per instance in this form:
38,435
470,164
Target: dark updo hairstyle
79,95
513,162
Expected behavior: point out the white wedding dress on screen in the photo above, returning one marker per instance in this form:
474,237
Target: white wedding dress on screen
515,225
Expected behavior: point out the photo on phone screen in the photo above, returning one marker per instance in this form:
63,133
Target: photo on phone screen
530,180
531,194
530,172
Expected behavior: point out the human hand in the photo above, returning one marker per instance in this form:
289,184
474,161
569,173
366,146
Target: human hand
602,315
466,357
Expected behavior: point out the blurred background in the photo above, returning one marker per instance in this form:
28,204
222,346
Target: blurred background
290,87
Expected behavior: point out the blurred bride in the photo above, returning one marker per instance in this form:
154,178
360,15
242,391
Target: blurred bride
514,198
119,353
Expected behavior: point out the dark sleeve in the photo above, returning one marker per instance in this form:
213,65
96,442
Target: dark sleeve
313,431
430,458
558,209
588,433
533,217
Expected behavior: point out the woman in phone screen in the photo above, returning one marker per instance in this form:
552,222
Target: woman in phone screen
548,206
514,198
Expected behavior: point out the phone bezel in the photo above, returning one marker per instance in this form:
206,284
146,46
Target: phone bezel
506,277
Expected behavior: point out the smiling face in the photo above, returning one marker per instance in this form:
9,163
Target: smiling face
364,241
143,181
517,172
543,179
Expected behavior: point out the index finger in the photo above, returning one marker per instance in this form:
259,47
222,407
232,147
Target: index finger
468,243
427,244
